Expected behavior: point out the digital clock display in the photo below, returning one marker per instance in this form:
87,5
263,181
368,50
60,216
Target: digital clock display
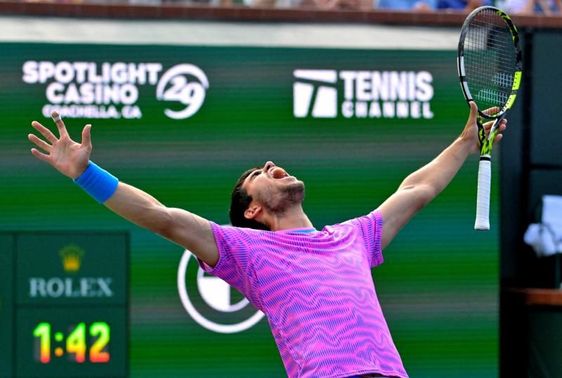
69,304
82,343
70,342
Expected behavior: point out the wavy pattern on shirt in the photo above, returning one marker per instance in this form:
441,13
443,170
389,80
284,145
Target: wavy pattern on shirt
317,292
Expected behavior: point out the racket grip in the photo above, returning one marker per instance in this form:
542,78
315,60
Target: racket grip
483,194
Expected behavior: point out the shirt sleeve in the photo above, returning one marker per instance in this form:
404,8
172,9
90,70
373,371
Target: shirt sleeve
370,227
235,264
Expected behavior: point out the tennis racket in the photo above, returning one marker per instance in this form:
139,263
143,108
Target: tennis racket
490,69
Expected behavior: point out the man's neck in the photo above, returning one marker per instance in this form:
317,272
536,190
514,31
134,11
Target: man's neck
292,218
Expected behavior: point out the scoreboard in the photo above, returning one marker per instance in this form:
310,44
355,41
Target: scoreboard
64,304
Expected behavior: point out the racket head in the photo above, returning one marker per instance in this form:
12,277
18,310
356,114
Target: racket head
489,61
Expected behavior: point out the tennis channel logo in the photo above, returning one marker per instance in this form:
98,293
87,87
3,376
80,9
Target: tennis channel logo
211,302
111,90
362,94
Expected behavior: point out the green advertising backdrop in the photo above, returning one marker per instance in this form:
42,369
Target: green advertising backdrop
350,123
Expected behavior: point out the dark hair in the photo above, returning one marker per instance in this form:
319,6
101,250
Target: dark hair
239,202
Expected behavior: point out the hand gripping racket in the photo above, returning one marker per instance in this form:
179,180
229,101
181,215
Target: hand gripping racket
490,69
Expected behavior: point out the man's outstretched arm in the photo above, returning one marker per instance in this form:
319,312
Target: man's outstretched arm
423,185
72,159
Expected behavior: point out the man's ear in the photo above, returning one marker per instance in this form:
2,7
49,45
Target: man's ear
252,211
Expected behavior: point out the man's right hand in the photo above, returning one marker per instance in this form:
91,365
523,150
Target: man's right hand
180,226
64,154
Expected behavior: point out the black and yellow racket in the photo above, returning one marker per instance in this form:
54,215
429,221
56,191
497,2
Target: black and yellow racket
490,69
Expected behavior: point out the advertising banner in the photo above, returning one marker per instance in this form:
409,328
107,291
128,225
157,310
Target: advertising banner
183,122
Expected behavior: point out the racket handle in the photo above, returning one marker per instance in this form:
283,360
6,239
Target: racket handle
483,194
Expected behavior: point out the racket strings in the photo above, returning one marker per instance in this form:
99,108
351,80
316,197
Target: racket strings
489,59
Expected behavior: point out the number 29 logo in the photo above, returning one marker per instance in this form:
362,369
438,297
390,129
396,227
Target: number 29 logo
185,84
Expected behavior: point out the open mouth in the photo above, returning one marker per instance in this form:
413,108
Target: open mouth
278,173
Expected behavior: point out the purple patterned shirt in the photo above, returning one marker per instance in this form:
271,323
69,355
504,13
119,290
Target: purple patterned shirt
317,292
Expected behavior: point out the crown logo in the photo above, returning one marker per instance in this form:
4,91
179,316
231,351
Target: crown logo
71,257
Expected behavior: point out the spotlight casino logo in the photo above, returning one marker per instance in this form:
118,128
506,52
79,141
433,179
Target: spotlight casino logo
110,90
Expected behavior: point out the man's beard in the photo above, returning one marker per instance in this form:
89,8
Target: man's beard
287,197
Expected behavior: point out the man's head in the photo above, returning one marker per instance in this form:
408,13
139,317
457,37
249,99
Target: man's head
262,193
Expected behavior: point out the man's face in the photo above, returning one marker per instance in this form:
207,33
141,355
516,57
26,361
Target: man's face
272,187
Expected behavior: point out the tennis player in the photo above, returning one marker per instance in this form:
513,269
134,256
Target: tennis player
314,285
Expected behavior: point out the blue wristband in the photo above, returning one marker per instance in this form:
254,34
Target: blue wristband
97,182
